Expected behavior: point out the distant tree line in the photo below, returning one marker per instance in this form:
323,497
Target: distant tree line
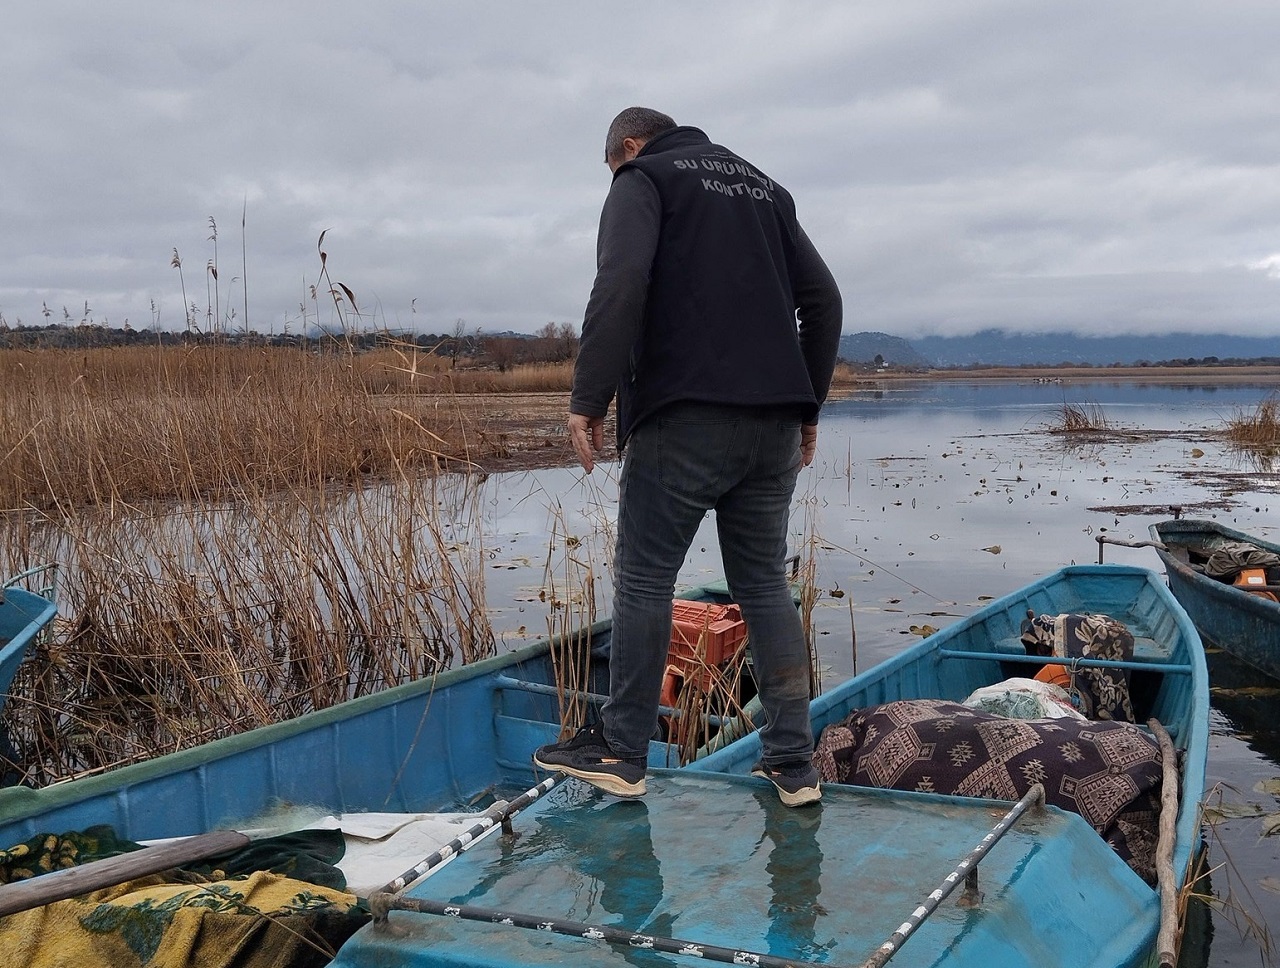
553,343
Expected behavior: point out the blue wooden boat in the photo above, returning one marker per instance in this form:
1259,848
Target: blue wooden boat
432,744
23,615
709,859
1238,621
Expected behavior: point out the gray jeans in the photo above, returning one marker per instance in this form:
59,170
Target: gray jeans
679,464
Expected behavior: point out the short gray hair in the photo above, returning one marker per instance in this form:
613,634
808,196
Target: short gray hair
640,123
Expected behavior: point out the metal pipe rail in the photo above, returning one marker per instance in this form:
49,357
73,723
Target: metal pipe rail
597,932
44,591
966,869
383,899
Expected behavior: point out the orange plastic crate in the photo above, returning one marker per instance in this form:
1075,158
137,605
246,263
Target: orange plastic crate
719,628
1254,576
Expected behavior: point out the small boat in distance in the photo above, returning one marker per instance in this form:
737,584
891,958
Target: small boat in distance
1242,619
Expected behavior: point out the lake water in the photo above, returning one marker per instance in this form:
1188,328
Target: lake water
929,498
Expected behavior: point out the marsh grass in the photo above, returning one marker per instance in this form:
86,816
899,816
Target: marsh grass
1080,418
1258,430
187,623
246,534
1232,900
569,588
133,424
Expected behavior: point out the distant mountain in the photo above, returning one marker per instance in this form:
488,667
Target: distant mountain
999,348
865,347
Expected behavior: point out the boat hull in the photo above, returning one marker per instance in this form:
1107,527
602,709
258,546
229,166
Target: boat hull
23,615
710,855
1241,623
431,745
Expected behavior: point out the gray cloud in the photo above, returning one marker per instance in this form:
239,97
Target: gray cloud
1091,166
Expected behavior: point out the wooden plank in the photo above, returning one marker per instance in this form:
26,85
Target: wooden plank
95,875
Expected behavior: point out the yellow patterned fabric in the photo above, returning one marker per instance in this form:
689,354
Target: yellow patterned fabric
261,920
52,852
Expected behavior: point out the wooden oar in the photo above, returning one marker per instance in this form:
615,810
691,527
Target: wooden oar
73,881
1167,939
1106,539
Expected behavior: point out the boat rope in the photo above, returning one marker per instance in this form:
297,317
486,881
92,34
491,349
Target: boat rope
381,900
597,932
1073,670
967,870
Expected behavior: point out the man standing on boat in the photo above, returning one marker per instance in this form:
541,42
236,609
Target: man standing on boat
702,272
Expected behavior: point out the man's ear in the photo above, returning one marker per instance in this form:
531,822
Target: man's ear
631,147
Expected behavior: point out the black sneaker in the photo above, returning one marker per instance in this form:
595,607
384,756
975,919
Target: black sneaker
797,783
588,757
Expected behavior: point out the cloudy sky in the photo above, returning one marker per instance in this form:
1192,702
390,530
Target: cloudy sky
1098,167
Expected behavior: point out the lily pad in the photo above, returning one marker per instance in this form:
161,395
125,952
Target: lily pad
1271,786
1271,825
1271,884
1246,692
1229,810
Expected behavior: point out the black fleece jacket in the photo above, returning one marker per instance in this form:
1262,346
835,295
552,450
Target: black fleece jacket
702,271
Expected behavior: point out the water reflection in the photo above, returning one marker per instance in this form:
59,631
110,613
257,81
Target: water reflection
929,499
617,883
794,867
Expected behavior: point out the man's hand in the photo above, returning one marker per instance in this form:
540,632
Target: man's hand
808,443
587,436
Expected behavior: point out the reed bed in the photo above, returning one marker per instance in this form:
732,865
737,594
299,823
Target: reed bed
136,424
1257,430
1080,418
185,623
245,534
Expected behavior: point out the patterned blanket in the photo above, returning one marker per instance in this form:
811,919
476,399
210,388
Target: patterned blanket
1099,693
1107,772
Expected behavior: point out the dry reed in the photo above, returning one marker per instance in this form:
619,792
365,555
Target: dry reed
187,623
1257,430
1078,418
569,588
247,534
132,424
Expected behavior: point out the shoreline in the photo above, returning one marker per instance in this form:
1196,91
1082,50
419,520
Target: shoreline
1200,375
525,430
